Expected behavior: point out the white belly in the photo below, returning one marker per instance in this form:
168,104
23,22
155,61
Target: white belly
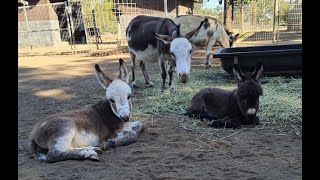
83,139
148,55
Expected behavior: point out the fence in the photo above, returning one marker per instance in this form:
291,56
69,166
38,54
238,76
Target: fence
90,25
265,20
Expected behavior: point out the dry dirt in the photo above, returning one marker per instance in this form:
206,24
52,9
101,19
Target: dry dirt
51,84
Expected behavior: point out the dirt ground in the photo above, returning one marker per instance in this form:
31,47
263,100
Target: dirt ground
51,84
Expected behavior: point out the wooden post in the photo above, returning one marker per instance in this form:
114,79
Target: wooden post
165,5
177,7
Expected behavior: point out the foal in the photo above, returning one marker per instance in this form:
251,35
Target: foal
84,133
229,108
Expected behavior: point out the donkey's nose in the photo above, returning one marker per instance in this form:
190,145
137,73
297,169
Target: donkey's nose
125,118
251,112
183,77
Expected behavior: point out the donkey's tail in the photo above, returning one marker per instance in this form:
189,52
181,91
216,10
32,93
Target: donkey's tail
35,151
33,147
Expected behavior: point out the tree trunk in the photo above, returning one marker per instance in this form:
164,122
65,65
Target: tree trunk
227,14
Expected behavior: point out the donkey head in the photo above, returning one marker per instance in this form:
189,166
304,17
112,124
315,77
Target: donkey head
249,91
117,91
180,50
232,38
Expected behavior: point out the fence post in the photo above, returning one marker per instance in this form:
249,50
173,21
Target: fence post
278,19
177,7
275,17
72,27
28,28
68,9
165,5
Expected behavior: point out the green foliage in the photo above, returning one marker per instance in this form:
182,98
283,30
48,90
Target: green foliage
105,19
217,12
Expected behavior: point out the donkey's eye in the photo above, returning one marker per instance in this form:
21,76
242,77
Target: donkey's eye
191,51
129,96
172,54
111,100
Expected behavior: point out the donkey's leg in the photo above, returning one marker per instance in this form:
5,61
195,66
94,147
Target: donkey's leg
207,62
136,126
170,72
123,138
133,66
60,148
143,66
163,71
226,122
72,154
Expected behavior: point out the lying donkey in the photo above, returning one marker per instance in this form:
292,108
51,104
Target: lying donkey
83,134
229,108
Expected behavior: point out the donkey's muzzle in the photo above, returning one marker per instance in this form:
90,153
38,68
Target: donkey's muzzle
183,77
125,118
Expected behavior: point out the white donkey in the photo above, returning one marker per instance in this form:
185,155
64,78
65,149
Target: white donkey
84,133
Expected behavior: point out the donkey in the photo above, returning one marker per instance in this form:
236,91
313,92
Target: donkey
210,34
84,133
229,108
154,39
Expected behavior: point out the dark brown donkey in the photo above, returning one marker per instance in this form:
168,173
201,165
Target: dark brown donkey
83,133
229,108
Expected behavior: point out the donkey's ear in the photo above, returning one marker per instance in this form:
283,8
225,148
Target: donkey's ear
101,78
164,38
257,72
123,71
235,37
238,75
195,31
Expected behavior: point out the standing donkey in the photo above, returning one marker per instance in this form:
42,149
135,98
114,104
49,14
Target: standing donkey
211,33
84,133
229,108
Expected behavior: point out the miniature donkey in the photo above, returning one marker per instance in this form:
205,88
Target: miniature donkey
84,133
230,108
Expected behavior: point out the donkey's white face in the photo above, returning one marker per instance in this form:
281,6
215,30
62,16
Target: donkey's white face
181,51
117,91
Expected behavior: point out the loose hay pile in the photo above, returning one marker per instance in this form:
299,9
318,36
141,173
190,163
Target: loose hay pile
280,105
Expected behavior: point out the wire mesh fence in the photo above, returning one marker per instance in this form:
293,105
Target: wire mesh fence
265,20
92,25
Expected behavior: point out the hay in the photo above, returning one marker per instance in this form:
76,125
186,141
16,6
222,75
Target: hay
280,105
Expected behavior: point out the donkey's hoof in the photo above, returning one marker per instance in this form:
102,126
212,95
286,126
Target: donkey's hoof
97,150
150,84
33,156
208,66
134,84
94,157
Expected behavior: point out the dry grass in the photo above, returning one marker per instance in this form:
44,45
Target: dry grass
280,105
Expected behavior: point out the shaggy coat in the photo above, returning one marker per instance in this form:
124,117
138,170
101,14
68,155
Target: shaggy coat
156,39
229,108
83,133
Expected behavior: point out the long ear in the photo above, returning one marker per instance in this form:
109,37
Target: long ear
164,38
238,75
101,78
123,71
257,72
235,37
191,33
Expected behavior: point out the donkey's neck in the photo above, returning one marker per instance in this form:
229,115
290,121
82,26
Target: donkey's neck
109,119
234,103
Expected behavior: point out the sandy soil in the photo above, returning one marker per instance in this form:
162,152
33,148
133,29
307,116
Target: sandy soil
51,84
